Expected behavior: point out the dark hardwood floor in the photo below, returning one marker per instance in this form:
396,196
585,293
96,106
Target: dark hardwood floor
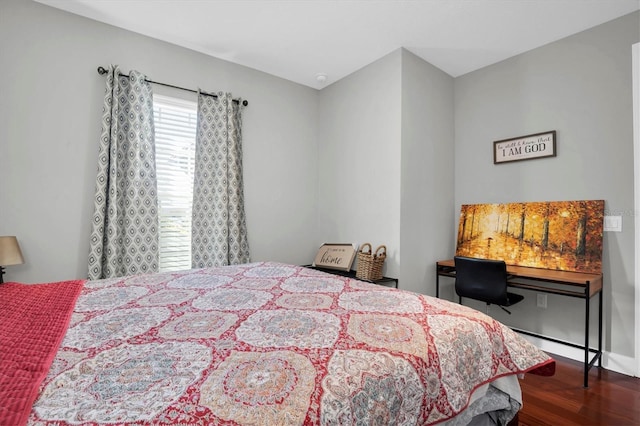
612,399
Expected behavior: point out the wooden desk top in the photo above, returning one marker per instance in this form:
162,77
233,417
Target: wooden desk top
549,275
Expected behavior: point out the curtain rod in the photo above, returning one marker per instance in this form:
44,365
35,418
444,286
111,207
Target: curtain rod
103,71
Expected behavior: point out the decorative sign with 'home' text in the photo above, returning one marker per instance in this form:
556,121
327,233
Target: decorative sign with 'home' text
525,147
335,256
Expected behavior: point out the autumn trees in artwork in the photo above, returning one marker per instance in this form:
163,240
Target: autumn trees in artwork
562,235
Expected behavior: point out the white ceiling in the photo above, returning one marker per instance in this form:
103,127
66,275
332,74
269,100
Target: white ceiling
298,39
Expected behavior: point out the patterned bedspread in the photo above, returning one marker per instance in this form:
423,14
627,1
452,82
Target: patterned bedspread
271,344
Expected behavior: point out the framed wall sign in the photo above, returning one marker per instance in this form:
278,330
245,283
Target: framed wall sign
537,145
335,256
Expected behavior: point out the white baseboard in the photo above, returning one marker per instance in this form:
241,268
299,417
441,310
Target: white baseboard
611,361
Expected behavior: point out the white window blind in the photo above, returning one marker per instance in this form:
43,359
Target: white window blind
175,134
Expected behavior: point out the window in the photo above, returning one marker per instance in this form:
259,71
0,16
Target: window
175,134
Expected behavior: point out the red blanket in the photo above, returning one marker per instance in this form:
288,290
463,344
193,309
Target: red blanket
33,321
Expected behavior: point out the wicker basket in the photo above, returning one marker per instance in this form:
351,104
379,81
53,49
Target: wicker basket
370,263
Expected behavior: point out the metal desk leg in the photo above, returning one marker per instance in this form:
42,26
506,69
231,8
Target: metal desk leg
586,338
600,329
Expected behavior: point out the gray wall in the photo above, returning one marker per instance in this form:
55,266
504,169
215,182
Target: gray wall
427,211
385,151
359,159
581,87
50,111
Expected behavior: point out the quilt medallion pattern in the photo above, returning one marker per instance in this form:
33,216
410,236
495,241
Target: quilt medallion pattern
270,344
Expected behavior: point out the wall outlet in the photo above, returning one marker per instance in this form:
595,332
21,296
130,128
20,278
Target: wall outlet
542,301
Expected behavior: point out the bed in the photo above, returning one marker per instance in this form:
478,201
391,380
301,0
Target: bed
256,344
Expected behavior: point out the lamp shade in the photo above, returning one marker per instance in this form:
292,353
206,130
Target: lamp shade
10,253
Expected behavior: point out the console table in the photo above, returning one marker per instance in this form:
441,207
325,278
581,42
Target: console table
564,283
352,274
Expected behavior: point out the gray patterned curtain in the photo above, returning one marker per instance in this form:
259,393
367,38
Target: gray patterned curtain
219,229
124,235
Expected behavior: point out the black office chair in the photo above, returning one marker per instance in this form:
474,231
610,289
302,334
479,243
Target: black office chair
484,280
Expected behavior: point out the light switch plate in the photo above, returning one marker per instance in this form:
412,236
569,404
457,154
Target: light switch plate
613,224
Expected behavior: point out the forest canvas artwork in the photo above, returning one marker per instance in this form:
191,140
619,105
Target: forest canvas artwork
560,235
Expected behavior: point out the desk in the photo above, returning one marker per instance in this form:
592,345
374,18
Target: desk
571,284
352,274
